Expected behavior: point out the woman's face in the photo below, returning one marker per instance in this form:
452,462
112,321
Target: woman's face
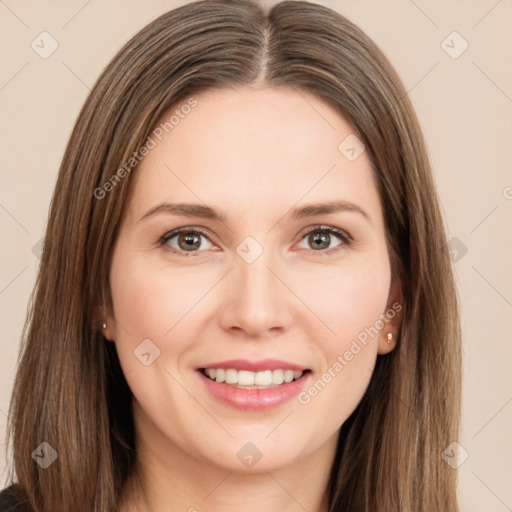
262,292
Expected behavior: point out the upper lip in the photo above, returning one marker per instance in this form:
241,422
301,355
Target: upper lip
255,366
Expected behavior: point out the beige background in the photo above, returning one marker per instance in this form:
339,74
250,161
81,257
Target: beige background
464,105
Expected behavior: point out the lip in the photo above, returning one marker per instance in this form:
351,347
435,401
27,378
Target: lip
254,399
255,366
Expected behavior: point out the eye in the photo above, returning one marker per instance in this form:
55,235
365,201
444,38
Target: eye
186,241
189,241
320,238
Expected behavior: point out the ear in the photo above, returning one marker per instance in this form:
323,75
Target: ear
105,322
109,321
392,318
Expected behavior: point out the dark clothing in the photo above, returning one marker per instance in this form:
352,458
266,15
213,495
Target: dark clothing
11,500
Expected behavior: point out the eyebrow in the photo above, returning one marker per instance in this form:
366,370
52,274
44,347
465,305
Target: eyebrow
205,212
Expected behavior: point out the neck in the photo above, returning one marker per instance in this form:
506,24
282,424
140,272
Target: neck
166,478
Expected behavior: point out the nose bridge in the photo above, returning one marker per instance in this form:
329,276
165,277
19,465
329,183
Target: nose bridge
255,281
258,301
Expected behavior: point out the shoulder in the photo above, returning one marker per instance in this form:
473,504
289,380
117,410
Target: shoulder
12,499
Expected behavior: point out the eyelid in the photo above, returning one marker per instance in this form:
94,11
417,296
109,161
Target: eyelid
178,231
343,235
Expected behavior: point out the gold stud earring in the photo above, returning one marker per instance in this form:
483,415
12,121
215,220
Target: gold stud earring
390,337
104,325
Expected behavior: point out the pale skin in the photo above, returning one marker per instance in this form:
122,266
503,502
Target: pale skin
252,155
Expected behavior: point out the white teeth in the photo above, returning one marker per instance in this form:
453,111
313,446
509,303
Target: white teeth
263,378
245,378
231,377
277,376
288,375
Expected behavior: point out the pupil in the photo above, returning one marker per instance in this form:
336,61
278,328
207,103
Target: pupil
191,241
322,239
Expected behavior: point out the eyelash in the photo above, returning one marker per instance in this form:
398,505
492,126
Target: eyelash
342,235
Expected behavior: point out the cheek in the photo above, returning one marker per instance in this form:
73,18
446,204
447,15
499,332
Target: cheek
150,303
150,300
349,301
350,306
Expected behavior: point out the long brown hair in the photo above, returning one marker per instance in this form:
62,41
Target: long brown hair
70,391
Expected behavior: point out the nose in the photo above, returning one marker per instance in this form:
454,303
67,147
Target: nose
256,303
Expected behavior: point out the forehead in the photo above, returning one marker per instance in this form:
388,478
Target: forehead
250,148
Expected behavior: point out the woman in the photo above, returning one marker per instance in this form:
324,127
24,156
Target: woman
244,289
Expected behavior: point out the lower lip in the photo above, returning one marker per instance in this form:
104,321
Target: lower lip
254,399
